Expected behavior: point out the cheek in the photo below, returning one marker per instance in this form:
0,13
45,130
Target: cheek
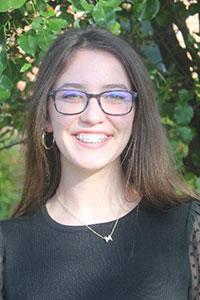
125,124
60,122
127,129
130,120
55,120
61,128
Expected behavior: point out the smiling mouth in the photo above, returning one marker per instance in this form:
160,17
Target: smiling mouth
91,138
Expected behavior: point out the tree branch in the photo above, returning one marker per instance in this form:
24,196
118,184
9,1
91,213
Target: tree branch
12,144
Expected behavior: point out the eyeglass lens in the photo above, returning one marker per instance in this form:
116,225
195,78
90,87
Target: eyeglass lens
112,102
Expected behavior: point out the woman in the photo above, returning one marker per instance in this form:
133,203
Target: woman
100,217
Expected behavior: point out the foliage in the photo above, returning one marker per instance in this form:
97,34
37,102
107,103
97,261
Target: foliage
27,28
11,170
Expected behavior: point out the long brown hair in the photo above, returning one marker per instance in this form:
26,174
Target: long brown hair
145,161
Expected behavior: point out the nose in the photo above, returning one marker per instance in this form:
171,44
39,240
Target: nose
93,113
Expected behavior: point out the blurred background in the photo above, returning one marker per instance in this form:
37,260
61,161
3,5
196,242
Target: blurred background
165,33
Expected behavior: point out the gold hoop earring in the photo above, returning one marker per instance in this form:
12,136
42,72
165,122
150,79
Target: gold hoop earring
47,136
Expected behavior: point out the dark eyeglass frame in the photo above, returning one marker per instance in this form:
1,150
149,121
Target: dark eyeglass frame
97,97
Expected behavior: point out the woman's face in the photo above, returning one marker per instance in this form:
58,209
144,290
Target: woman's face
91,140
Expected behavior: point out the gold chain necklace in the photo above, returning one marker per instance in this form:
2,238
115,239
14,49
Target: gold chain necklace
107,238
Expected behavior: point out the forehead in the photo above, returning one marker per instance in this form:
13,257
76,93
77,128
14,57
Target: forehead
91,67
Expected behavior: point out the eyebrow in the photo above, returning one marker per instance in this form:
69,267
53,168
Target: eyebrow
107,86
115,85
72,85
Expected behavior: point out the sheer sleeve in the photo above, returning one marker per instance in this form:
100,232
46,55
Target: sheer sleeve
1,264
194,249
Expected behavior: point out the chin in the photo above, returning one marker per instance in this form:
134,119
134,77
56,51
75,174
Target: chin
90,164
91,167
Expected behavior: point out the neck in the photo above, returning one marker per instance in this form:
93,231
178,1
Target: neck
90,190
91,196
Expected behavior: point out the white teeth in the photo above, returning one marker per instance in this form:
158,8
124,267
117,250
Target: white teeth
91,138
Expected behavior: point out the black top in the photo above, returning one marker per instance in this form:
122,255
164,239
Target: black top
148,258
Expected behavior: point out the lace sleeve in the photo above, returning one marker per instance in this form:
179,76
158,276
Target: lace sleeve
1,264
194,249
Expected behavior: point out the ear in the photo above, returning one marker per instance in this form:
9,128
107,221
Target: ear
48,127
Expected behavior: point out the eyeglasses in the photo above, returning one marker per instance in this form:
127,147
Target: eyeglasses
112,102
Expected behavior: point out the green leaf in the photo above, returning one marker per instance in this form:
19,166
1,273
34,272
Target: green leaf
55,24
99,14
194,8
1,67
111,3
197,91
37,23
184,95
5,87
185,133
48,12
45,39
6,5
6,82
180,10
163,18
198,185
81,5
25,67
3,59
183,149
4,93
146,9
28,43
179,150
183,114
86,6
76,5
190,178
125,24
114,27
